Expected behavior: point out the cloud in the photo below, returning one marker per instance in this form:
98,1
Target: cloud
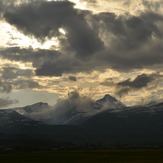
5,87
127,39
24,84
37,57
72,78
125,35
13,78
46,62
39,16
155,6
141,81
8,73
91,41
60,65
7,5
45,19
6,102
17,84
134,7
108,82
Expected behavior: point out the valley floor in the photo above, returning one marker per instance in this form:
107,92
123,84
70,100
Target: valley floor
88,156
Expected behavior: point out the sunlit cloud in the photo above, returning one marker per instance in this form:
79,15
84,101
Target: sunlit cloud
12,37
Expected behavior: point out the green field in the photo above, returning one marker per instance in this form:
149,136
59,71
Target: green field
101,156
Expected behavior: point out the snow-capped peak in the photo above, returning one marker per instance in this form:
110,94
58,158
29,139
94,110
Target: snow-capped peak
109,101
35,108
68,111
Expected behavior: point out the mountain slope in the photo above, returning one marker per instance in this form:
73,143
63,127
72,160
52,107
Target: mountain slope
139,125
14,126
10,118
132,124
12,122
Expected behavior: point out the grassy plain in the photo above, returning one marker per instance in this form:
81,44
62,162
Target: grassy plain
87,156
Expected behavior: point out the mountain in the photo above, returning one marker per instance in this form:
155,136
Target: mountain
9,119
109,101
11,122
22,133
35,108
134,125
35,111
83,113
112,127
69,111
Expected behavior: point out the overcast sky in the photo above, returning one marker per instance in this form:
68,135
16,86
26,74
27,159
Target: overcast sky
97,47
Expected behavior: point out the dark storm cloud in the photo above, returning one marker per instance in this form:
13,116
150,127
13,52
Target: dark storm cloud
6,102
72,78
44,20
46,62
15,78
50,69
37,57
141,81
41,19
56,67
130,41
64,64
3,7
132,32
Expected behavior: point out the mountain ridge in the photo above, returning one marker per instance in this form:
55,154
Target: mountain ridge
74,110
134,126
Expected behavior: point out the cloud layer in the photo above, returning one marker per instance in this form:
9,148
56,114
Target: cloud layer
141,81
126,38
91,42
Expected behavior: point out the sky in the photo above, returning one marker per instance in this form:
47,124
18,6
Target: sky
49,48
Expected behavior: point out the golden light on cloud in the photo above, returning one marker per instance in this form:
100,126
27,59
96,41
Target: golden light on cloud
21,65
79,4
88,80
4,34
91,85
12,37
109,73
62,31
116,6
